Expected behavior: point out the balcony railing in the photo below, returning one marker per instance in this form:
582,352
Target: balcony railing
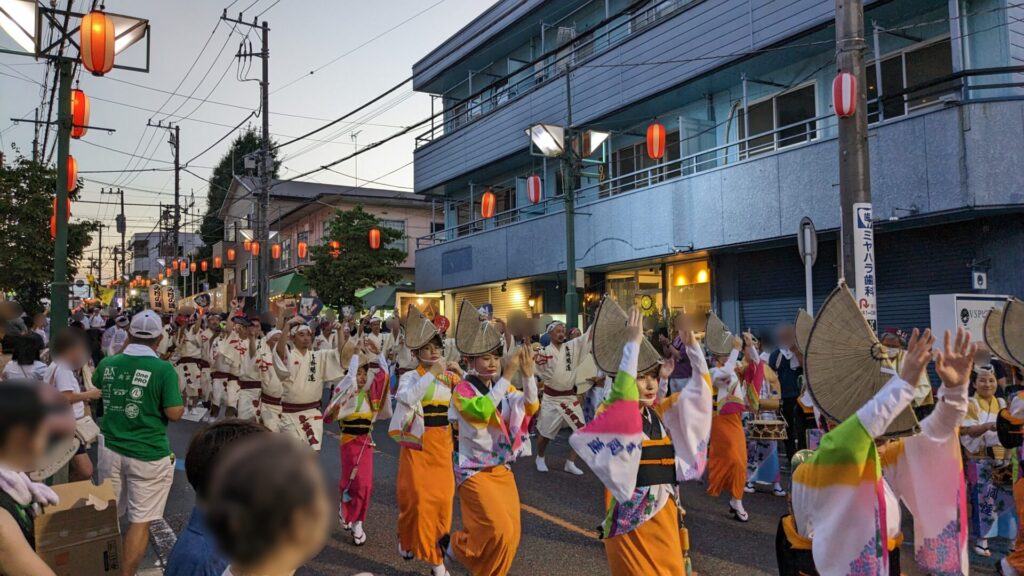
553,64
947,90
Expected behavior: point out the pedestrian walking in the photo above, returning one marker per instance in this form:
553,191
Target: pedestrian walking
140,397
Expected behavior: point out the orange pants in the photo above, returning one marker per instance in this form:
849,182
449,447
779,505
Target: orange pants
653,549
488,541
727,455
426,491
1016,558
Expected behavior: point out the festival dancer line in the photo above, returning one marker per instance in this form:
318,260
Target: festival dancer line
493,420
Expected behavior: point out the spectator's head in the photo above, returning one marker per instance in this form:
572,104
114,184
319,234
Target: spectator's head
146,328
27,349
39,320
556,332
70,347
985,383
983,357
268,505
23,435
209,446
785,336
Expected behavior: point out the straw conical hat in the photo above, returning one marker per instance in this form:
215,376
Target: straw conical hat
993,334
717,337
418,330
1013,330
803,324
473,335
609,336
845,364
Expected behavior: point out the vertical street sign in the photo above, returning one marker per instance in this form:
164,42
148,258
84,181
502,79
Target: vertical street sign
807,242
864,262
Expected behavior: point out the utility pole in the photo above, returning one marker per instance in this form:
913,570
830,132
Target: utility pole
59,287
857,264
355,160
570,168
122,229
99,258
174,140
265,163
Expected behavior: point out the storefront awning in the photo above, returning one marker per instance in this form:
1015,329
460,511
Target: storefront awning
290,284
384,296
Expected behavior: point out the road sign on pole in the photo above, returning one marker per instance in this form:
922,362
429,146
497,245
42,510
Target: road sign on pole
807,242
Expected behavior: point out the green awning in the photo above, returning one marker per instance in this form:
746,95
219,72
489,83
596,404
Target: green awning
384,296
364,291
291,284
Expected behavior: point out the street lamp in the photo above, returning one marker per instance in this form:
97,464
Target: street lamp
23,21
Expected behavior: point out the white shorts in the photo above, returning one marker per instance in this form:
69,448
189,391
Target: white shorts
270,416
249,404
141,487
306,426
190,379
225,392
557,412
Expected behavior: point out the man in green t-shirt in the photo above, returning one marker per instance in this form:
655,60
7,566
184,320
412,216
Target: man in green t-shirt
140,396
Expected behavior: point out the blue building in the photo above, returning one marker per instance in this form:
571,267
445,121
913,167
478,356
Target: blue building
743,88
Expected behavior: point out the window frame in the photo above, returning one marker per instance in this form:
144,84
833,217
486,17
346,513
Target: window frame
744,145
901,53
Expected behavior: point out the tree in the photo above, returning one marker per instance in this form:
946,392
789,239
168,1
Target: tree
26,250
337,277
233,162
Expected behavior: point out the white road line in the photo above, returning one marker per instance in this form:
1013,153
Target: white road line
163,539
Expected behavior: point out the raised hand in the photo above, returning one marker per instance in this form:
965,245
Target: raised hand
634,326
668,365
955,362
512,366
919,353
525,361
737,343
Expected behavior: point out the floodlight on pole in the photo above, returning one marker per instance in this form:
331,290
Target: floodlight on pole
18,20
548,139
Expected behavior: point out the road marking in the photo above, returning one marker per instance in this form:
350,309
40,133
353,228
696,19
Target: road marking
557,521
163,539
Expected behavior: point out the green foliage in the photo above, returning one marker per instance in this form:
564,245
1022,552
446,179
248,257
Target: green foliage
26,250
336,279
233,162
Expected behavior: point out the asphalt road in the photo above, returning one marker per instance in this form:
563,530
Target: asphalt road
560,513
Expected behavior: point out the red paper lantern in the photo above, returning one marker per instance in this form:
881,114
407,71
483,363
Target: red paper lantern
247,245
72,173
844,94
79,113
335,247
275,251
192,267
218,262
534,190
97,42
231,254
255,248
656,141
204,265
169,272
138,277
374,238
53,218
488,202
182,266
160,277
302,248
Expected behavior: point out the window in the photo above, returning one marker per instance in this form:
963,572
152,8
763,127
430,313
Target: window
140,248
629,162
917,66
286,254
401,243
780,121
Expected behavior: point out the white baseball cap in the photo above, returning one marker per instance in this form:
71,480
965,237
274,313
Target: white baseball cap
146,324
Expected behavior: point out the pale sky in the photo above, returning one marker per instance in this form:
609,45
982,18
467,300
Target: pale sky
304,35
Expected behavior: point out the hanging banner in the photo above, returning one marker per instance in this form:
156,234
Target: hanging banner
864,269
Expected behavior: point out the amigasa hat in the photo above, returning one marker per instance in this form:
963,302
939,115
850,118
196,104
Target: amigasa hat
609,336
418,330
717,338
475,336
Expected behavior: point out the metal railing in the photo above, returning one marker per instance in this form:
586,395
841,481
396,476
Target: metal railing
947,90
460,112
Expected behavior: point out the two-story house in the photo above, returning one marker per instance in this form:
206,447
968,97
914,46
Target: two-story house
743,89
299,212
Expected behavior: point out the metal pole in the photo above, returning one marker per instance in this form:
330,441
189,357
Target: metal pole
59,287
857,264
879,92
745,141
808,269
124,255
265,168
569,193
177,188
99,258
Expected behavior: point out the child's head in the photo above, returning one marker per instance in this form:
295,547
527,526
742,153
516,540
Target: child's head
431,352
647,385
70,347
268,504
488,365
23,435
208,447
985,383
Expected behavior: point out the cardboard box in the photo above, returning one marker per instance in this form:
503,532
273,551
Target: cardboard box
81,536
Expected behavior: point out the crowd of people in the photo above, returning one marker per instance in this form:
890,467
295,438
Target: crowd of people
645,412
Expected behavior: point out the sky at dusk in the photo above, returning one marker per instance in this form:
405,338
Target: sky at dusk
357,49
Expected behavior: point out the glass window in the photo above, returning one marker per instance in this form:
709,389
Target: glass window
892,83
926,65
791,110
761,124
399,244
141,248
